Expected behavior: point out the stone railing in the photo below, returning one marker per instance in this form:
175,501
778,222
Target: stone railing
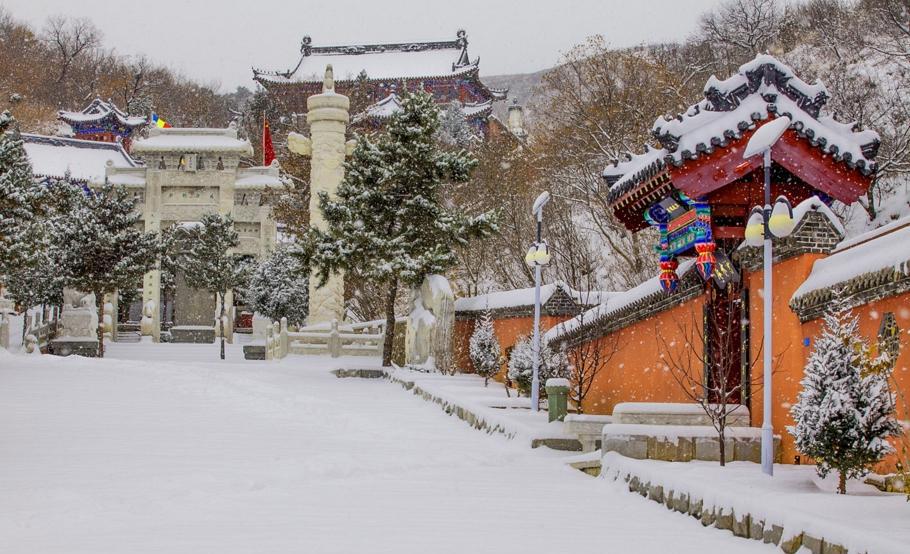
355,339
41,331
348,339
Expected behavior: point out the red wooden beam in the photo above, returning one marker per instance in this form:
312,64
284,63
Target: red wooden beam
728,232
819,170
715,170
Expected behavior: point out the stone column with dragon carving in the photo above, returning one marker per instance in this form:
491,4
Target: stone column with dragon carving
328,117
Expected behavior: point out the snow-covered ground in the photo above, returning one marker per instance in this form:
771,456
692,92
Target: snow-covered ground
146,451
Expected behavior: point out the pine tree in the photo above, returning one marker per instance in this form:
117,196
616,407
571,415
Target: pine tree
844,414
36,279
388,223
98,245
553,364
172,245
454,129
277,288
20,196
210,264
484,348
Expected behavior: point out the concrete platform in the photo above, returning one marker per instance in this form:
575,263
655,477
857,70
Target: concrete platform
74,346
194,334
672,413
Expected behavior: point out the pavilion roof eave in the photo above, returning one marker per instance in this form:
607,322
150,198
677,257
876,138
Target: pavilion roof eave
712,171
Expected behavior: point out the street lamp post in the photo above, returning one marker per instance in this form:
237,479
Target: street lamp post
538,256
764,224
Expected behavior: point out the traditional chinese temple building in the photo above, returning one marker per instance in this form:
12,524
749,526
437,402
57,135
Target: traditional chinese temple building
104,122
703,307
378,72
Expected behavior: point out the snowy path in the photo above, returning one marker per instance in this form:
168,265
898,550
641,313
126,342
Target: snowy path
162,456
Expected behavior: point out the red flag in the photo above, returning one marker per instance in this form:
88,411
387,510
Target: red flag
268,151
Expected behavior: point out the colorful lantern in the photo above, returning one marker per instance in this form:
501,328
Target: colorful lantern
705,261
669,280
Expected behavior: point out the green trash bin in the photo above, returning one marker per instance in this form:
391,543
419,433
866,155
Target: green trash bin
557,399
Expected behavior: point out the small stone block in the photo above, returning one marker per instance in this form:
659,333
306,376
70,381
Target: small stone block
656,493
773,534
747,450
253,352
708,449
192,335
695,507
814,545
725,521
680,502
629,446
64,347
741,526
791,545
708,517
757,530
660,449
834,548
685,450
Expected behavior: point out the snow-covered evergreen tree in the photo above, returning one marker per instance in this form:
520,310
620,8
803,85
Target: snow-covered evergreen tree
20,195
845,412
99,247
388,223
209,263
484,348
278,287
454,129
553,364
36,279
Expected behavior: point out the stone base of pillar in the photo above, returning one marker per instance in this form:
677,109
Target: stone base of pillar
326,302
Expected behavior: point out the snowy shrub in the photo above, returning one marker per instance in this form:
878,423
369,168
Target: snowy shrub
278,287
845,410
484,348
553,364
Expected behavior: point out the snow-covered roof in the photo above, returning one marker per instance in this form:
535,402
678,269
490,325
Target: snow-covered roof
525,297
189,139
99,110
258,177
763,88
615,303
409,60
810,205
82,160
815,204
384,109
391,104
876,255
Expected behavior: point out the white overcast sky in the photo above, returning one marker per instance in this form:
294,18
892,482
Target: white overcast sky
217,41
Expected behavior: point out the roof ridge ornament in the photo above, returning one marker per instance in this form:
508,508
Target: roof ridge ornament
305,45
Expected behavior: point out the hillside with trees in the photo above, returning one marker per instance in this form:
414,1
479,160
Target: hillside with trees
65,64
599,104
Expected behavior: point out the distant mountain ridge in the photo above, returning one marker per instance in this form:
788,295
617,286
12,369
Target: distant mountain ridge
525,87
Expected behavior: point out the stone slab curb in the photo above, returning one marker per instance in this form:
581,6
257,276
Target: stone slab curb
747,526
472,419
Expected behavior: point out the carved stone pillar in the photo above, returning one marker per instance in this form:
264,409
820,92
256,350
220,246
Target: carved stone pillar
327,115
